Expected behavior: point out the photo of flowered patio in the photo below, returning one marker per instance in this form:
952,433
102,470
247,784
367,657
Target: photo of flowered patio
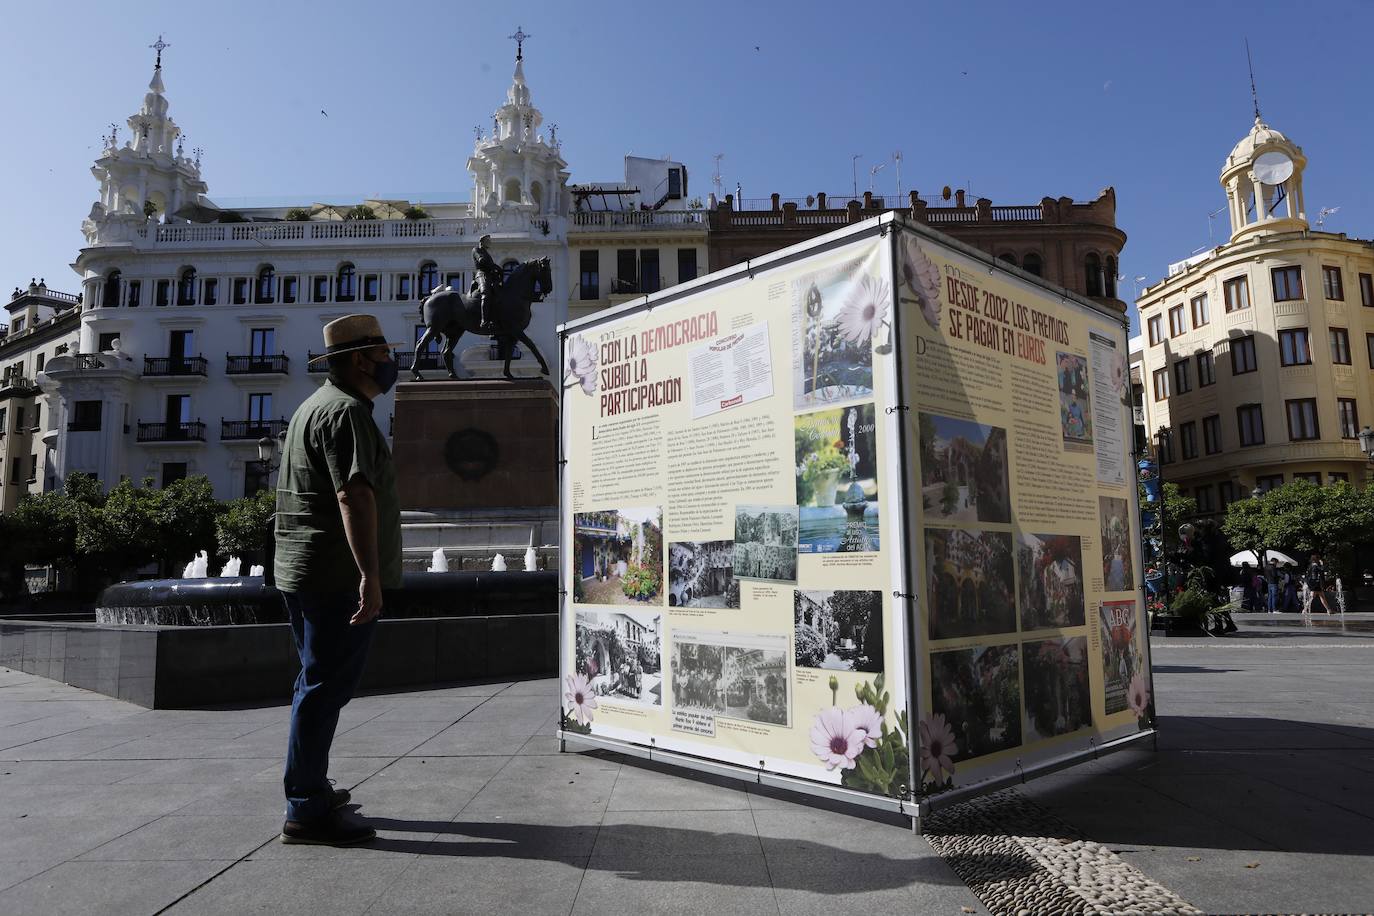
618,556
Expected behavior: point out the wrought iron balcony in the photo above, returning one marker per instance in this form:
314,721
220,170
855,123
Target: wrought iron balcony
251,429
312,366
165,366
189,431
17,386
257,364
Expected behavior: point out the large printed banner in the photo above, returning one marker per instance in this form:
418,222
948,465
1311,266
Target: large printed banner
732,536
1031,634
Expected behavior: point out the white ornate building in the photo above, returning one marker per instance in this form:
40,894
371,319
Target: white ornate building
199,321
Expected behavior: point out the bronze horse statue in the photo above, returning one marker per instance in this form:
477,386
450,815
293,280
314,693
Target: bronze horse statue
449,313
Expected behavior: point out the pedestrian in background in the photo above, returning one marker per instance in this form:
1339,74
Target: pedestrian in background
1316,581
1247,585
1272,584
338,546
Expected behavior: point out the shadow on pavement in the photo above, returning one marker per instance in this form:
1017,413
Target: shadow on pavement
1226,782
655,853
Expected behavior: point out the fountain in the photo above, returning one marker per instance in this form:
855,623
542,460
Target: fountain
439,562
231,568
498,564
255,571
531,559
198,568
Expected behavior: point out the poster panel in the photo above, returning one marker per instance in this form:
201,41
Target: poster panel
1030,628
732,527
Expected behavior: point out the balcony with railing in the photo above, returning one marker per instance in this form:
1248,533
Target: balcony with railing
175,366
257,364
232,430
185,431
310,233
598,220
17,386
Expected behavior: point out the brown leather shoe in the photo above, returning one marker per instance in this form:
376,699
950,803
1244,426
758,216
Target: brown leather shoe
330,830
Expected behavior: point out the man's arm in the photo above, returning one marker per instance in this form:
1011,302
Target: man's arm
358,506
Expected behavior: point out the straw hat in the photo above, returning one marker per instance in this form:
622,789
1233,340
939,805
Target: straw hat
353,332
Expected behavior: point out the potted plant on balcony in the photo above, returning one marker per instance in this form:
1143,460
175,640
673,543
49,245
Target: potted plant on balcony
298,215
360,212
415,212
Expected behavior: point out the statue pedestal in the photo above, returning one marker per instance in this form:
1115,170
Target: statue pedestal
476,445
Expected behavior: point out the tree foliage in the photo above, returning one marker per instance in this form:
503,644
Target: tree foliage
242,529
1302,518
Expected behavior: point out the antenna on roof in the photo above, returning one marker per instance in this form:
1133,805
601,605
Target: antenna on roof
1324,213
1254,96
716,179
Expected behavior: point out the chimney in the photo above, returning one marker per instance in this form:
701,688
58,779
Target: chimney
959,198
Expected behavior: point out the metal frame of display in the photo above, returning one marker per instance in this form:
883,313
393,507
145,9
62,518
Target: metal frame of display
889,226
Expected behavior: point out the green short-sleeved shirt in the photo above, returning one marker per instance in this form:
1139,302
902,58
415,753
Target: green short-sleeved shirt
330,440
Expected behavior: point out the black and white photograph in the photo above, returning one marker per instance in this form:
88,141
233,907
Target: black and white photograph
619,653
839,630
736,675
766,542
1058,699
1049,571
702,574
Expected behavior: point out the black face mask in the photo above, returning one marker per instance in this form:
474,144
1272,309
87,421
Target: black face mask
384,373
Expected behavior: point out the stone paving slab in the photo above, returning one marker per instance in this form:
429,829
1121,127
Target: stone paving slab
1256,800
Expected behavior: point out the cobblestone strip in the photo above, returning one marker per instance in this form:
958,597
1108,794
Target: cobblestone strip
1021,860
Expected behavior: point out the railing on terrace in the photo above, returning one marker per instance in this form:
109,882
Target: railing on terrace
257,364
1029,213
175,365
88,361
188,431
952,215
251,429
312,366
636,219
17,383
317,230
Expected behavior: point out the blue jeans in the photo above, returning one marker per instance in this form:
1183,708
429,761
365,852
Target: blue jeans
1273,597
332,656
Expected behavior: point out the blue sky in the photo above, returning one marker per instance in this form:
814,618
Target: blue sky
1015,100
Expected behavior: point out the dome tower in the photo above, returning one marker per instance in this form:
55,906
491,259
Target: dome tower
1263,182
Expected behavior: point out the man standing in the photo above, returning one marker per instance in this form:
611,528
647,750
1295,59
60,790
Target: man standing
488,281
338,545
1271,581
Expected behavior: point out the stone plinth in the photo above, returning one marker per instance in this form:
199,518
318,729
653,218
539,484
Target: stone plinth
481,444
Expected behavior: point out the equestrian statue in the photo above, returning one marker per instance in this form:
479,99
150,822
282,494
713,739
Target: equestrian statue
496,307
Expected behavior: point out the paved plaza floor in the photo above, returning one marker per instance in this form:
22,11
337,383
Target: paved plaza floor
1257,799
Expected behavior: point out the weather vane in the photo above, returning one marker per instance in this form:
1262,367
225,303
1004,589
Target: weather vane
159,46
519,38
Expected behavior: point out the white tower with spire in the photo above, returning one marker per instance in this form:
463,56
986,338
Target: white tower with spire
518,175
149,177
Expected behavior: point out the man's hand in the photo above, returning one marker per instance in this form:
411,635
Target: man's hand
369,602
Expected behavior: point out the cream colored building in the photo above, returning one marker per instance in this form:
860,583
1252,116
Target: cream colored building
41,324
1259,354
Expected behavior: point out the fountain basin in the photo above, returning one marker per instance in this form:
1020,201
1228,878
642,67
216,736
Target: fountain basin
232,644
